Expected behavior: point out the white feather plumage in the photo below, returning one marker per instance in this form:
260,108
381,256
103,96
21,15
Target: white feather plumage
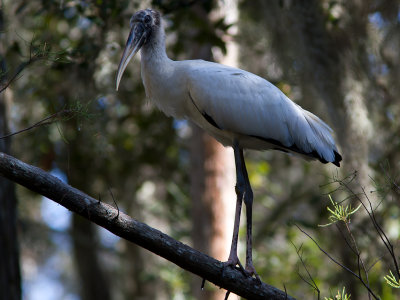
233,104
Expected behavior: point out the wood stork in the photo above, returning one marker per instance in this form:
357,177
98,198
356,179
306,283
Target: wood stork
236,107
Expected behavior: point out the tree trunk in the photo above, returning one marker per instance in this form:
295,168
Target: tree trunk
137,262
212,201
212,189
10,279
90,271
94,285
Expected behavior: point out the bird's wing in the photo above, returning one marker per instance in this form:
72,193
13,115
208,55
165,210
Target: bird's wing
246,104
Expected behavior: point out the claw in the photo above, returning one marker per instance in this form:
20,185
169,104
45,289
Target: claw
233,262
251,271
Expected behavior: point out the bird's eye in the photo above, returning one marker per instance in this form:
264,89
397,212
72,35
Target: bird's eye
147,19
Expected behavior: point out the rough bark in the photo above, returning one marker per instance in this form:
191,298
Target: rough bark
139,233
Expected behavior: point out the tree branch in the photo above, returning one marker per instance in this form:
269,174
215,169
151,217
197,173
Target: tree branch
139,233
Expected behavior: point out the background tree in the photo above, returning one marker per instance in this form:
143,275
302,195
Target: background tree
10,280
211,167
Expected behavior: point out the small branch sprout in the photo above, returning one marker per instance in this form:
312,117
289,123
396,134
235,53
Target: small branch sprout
339,213
340,295
392,281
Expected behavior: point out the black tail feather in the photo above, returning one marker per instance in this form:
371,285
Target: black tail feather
338,159
294,148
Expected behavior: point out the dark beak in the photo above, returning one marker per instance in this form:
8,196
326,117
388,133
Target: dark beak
137,37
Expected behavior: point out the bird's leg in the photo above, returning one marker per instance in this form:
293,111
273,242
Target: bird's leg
248,201
233,259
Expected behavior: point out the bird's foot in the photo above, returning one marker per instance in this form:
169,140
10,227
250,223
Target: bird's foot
251,271
233,262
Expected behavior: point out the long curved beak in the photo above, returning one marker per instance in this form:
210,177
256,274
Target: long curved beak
137,37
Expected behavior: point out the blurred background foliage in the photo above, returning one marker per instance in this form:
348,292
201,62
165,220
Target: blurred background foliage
338,59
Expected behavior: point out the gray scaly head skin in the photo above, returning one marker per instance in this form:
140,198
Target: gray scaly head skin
142,25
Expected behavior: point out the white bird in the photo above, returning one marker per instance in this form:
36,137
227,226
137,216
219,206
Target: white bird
236,107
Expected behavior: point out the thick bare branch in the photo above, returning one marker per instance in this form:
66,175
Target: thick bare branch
139,233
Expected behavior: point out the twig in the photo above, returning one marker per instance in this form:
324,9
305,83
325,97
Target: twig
381,233
46,121
227,295
112,196
21,67
312,283
36,53
338,263
390,179
360,261
32,58
203,283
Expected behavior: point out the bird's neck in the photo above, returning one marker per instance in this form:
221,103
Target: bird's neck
154,50
156,67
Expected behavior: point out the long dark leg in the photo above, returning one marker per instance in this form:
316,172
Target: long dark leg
243,192
233,259
248,201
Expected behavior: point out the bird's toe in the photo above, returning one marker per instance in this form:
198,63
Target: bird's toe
251,271
232,262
